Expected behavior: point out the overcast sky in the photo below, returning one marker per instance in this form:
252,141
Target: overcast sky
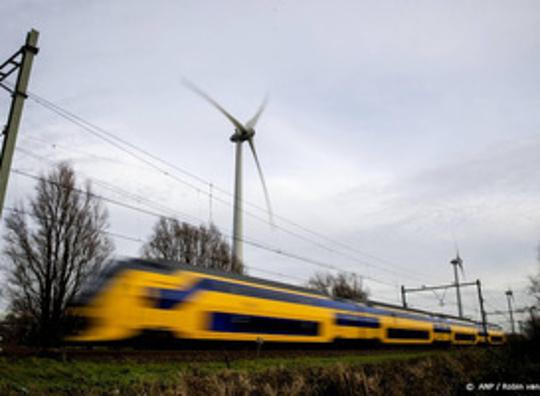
394,128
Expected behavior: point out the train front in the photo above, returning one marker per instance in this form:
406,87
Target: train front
116,304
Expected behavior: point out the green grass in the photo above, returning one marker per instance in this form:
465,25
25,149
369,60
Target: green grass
47,376
254,365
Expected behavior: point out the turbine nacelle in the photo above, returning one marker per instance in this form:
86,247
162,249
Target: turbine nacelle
458,261
241,135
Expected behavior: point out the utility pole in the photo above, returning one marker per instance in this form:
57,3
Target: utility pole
21,61
533,320
403,296
455,262
481,301
509,296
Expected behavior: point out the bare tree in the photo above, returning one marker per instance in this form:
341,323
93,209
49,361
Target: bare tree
322,282
51,250
342,285
199,246
534,286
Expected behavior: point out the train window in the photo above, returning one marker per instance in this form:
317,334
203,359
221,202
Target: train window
441,329
356,321
407,334
238,323
464,337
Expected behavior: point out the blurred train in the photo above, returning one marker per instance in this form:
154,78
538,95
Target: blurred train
134,297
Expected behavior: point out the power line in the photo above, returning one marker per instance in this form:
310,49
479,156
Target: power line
162,207
137,197
85,125
250,242
113,140
134,196
120,191
56,146
92,128
139,240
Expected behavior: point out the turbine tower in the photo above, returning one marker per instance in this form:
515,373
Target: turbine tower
458,262
242,133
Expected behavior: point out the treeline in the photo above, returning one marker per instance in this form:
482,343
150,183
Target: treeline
60,238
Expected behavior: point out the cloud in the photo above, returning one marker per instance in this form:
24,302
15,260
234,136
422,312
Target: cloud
391,126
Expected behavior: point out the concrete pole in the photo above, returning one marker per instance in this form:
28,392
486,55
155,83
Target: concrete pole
458,293
533,320
481,301
509,296
15,111
237,245
403,296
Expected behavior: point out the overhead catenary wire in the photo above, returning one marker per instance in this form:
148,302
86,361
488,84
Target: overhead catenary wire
253,243
139,240
200,190
116,142
249,267
87,125
124,193
320,264
159,206
162,207
250,242
408,274
56,146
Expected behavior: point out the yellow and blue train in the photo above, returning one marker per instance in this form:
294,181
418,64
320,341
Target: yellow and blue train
136,296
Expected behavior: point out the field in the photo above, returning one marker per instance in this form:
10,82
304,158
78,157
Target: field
341,373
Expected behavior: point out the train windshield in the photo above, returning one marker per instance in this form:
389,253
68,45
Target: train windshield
110,270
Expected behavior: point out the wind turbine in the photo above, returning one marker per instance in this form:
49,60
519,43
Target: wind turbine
242,133
510,296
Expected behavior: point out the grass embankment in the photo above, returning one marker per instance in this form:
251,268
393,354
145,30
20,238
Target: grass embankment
415,372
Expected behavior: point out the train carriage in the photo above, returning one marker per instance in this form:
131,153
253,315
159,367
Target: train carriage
136,296
496,337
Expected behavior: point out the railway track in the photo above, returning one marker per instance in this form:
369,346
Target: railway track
205,355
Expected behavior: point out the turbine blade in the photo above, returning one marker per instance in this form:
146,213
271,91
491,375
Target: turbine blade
204,95
253,121
458,257
261,176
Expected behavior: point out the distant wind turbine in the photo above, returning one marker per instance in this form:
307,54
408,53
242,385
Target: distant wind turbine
242,133
458,262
